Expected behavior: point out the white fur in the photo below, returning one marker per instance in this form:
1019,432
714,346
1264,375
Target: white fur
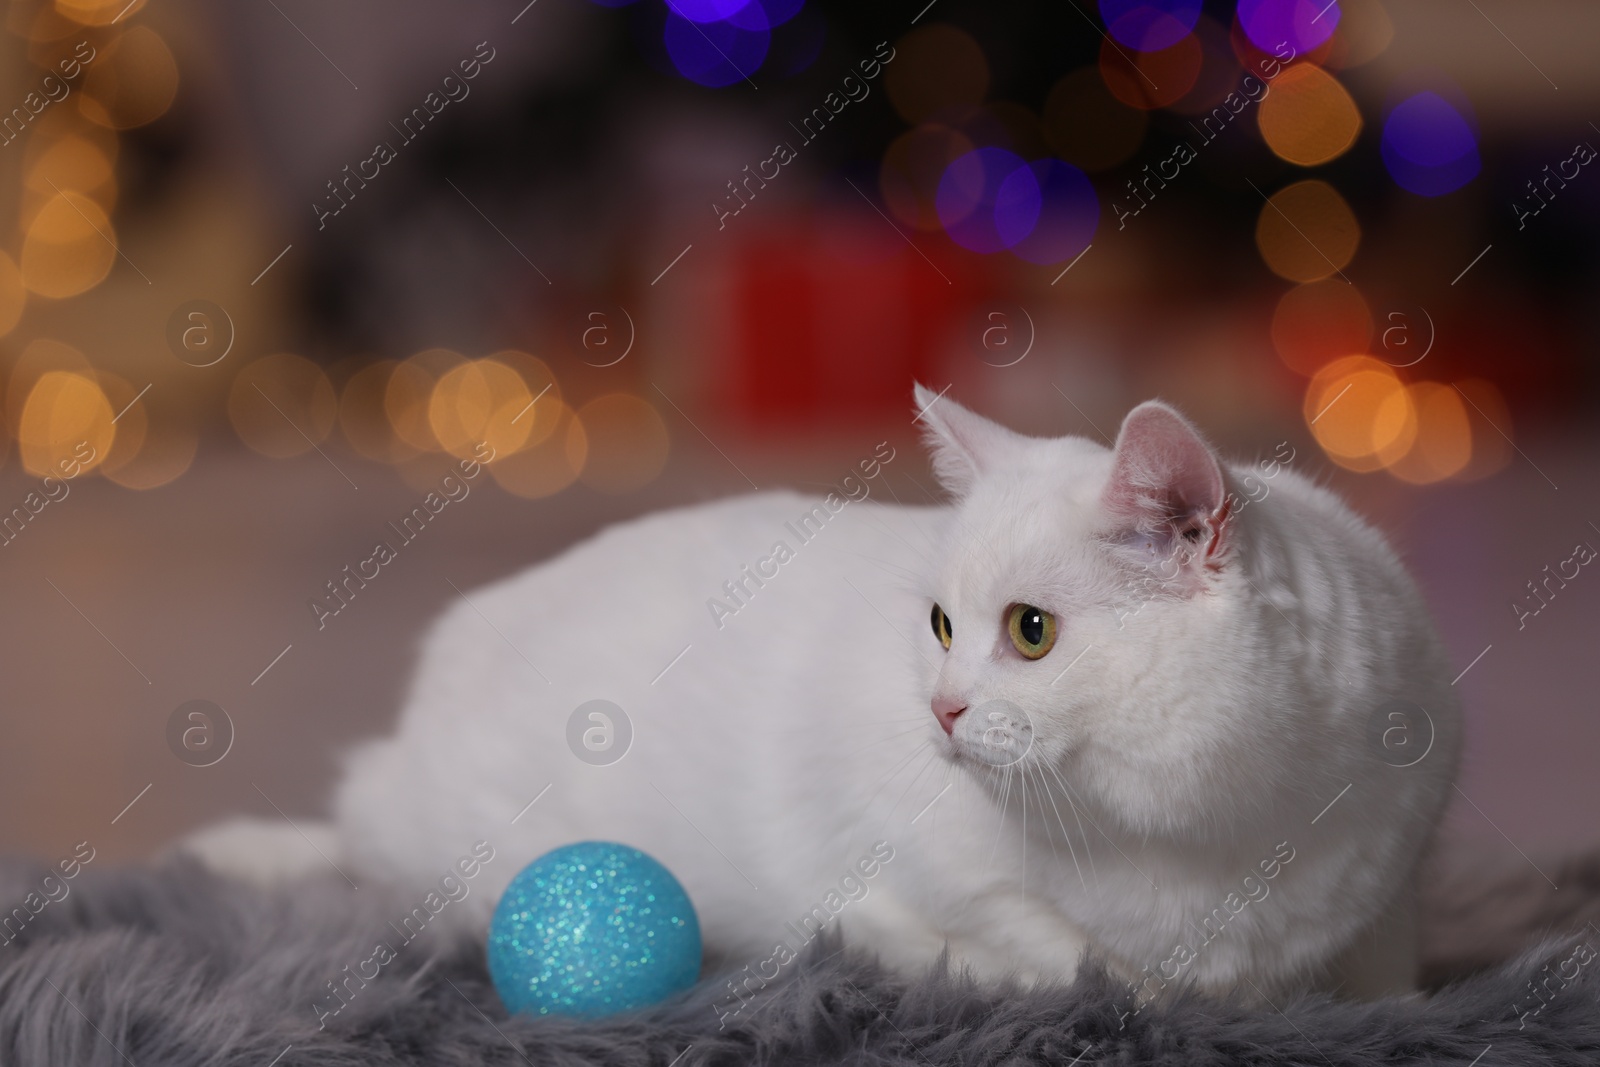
1198,727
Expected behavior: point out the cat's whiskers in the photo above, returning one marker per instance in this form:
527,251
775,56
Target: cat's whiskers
1087,847
1108,839
901,765
914,779
1044,786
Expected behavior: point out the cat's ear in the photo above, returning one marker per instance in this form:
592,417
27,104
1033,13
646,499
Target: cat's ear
961,442
1166,484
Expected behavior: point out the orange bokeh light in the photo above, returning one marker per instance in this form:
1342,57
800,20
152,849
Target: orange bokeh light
1360,413
911,169
937,68
550,466
628,442
1089,127
1318,322
282,405
69,248
1492,431
1443,446
1306,231
1150,80
1308,118
13,294
409,390
132,81
481,402
66,421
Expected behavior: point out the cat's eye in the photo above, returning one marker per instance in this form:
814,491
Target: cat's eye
1033,630
941,626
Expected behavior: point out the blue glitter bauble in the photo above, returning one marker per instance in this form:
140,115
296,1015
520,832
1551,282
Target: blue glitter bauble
592,929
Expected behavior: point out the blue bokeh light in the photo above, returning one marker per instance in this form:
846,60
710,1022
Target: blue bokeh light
779,11
1149,25
709,10
1428,146
1066,211
1301,24
968,200
798,42
715,54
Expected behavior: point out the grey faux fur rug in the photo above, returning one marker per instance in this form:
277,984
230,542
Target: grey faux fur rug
168,965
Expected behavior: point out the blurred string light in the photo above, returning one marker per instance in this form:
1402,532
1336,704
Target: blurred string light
57,404
439,402
483,402
1366,418
1428,145
1364,414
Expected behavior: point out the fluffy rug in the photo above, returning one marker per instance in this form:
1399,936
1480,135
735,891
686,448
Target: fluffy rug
168,965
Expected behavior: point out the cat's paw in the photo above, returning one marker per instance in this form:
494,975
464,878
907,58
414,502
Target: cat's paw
263,851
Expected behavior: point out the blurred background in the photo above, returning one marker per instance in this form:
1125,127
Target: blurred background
269,269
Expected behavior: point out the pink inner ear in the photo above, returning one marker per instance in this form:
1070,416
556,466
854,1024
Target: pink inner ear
1163,470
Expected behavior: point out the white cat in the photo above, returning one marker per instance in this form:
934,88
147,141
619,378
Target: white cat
1101,700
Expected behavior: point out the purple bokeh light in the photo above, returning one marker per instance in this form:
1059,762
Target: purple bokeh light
715,54
990,199
968,199
1149,25
704,11
1428,146
1064,220
1302,24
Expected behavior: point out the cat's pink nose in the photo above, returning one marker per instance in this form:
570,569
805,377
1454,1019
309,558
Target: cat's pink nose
947,710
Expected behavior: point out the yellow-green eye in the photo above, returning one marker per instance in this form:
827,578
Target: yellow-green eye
941,626
1033,630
